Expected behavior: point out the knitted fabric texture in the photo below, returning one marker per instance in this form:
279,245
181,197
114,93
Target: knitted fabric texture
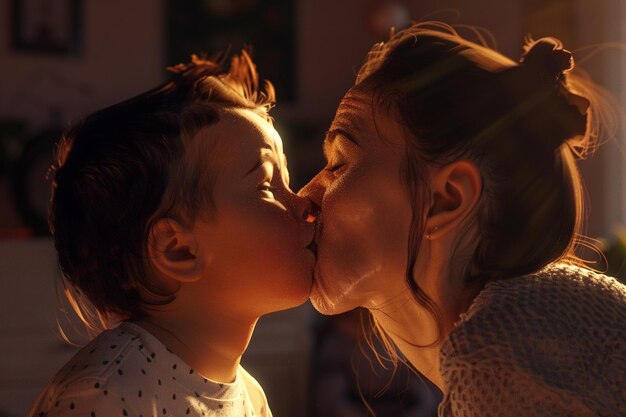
547,344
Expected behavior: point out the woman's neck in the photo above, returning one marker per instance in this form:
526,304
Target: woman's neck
212,347
417,332
414,332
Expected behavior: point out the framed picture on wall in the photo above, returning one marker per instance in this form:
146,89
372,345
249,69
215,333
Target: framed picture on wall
47,26
210,26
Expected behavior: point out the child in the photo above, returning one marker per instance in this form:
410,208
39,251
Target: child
172,217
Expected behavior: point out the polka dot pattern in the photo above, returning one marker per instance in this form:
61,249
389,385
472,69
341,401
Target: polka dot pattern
128,372
548,344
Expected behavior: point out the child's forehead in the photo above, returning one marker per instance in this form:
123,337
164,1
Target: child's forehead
244,117
247,125
239,135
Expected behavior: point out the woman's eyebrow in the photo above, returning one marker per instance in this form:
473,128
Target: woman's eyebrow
331,136
345,127
334,132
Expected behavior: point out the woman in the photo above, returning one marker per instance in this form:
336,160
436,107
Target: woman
450,208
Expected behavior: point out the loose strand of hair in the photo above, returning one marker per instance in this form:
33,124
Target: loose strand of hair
91,320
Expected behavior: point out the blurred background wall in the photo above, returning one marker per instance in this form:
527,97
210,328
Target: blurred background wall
105,51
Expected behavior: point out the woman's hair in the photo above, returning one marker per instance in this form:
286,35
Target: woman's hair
123,168
523,124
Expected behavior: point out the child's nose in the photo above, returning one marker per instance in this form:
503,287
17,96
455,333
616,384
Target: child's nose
308,214
306,209
314,190
311,212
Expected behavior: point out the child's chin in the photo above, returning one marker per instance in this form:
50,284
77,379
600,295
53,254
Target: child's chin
292,294
293,303
301,294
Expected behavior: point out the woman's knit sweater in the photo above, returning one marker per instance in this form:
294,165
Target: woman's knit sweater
547,344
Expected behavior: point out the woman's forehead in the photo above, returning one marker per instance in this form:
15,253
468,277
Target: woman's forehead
356,101
359,114
354,112
364,105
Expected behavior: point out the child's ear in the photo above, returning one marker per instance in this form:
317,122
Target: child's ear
455,189
173,251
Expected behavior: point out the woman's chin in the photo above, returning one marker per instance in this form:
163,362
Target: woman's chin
328,303
321,304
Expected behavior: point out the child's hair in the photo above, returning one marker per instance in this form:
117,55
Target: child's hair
523,125
123,168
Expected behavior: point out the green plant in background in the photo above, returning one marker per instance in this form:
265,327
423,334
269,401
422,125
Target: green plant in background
614,249
12,137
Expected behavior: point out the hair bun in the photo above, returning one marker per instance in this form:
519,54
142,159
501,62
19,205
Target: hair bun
547,57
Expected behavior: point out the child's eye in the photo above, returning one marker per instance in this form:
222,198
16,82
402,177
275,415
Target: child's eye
266,186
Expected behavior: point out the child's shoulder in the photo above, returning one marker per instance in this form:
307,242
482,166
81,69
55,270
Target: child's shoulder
98,374
256,393
123,371
127,372
106,356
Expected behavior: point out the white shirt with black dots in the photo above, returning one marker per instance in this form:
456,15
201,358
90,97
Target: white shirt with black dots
128,372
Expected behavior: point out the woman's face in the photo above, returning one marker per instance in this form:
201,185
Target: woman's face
363,230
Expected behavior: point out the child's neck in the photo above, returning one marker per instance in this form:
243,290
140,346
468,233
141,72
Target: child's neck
212,348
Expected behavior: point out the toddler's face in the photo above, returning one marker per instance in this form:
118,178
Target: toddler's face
256,238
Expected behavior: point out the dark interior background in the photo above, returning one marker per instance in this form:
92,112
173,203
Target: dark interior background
61,59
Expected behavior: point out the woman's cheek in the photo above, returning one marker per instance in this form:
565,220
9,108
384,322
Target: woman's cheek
349,220
347,206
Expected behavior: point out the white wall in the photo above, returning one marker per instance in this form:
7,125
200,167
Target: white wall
600,23
122,55
333,38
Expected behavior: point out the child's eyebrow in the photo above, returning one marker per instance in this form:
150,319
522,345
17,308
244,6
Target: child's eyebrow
267,154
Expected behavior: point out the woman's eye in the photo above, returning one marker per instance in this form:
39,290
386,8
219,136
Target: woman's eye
335,168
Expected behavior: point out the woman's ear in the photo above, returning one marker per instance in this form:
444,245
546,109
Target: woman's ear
455,189
173,251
